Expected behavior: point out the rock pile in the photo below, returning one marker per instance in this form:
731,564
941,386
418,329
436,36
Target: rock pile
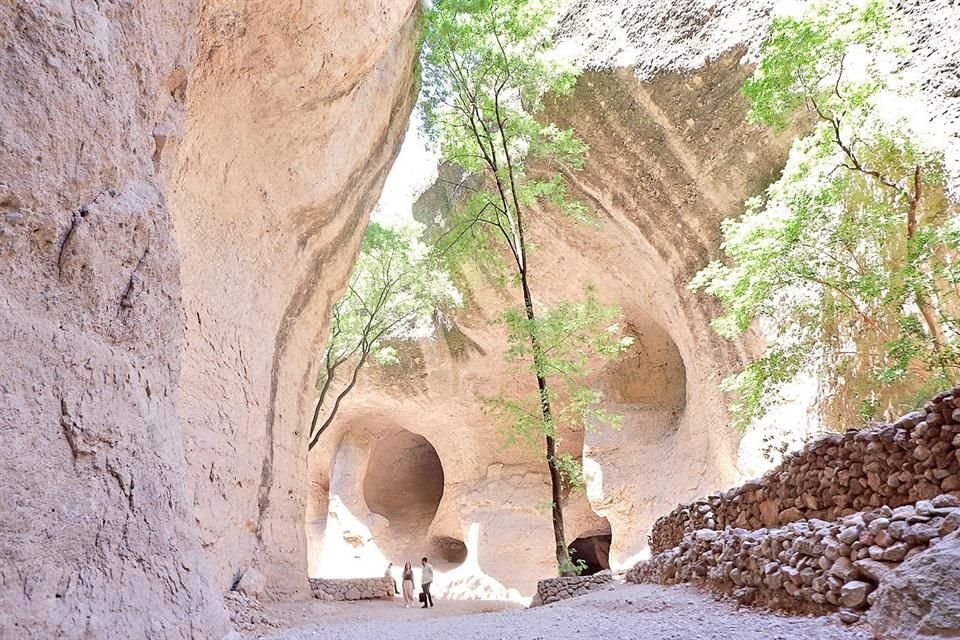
915,458
556,589
810,565
353,589
246,612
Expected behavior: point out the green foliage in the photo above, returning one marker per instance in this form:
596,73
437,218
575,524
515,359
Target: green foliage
398,290
486,66
849,260
571,338
572,567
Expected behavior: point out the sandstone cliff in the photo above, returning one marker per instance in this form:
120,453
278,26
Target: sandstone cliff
183,189
661,173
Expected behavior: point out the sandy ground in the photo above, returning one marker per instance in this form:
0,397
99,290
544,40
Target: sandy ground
634,612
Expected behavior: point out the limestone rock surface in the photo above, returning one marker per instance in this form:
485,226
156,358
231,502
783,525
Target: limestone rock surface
659,177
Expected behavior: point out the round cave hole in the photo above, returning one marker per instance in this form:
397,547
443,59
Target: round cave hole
593,551
404,484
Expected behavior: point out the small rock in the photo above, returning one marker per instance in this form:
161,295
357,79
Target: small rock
849,617
252,583
854,593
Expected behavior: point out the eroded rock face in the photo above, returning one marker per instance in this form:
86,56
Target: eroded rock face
660,176
670,157
918,599
161,162
96,527
291,129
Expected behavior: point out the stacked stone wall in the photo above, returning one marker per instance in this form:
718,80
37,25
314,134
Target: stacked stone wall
353,589
556,589
821,531
915,458
810,566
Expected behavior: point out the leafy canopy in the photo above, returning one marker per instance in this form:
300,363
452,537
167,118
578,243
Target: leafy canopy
849,260
486,68
573,338
398,290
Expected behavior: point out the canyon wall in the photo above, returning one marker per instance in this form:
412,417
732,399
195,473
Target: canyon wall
669,158
293,119
183,186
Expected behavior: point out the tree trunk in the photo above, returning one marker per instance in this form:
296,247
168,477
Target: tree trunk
927,310
336,405
564,566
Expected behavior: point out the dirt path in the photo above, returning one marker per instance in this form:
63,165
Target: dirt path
627,612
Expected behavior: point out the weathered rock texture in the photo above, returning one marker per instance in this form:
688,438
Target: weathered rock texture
353,589
161,163
247,613
660,175
556,589
918,599
291,128
829,553
652,35
917,457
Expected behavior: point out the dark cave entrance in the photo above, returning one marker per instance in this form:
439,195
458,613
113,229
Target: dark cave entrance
594,551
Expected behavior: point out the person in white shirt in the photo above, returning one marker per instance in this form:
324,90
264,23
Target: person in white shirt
426,577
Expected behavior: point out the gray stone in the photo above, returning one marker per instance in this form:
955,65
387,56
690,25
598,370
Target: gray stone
854,593
873,569
849,535
919,599
849,617
252,583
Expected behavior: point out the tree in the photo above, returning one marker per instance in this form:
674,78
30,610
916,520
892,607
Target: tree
485,70
849,260
397,291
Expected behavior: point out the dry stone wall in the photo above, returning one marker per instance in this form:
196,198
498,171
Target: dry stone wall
556,589
915,458
353,589
823,530
810,565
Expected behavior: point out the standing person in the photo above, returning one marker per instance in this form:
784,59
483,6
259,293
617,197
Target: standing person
426,577
389,574
407,578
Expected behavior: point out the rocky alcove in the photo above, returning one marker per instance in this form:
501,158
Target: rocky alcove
593,549
404,483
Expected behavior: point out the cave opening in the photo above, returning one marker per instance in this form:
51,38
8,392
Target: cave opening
449,550
404,484
593,551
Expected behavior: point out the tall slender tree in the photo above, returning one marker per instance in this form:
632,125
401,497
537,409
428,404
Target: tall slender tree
850,259
486,68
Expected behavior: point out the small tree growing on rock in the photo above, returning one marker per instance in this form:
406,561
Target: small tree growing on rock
849,260
485,71
398,291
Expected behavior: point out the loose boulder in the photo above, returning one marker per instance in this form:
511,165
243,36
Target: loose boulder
919,599
252,583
